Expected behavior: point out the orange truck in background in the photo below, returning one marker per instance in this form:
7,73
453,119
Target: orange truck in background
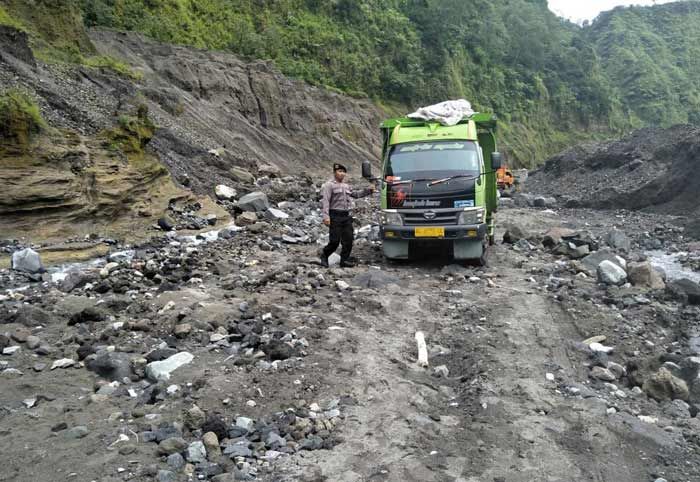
505,179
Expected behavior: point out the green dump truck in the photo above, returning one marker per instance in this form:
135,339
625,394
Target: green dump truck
438,186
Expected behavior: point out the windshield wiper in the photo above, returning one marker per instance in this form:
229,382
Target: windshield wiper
408,181
458,176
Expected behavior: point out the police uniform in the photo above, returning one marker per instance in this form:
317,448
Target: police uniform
337,200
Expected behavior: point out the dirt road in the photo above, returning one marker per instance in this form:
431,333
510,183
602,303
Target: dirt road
508,396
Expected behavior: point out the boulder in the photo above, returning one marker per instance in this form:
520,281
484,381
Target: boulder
166,223
611,274
269,170
246,219
618,240
113,366
556,235
27,260
225,193
241,175
663,385
643,274
515,233
592,261
254,202
161,370
686,290
544,202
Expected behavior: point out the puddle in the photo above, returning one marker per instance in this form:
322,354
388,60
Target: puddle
671,265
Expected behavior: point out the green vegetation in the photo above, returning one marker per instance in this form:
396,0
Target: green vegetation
110,63
20,117
6,19
551,82
132,134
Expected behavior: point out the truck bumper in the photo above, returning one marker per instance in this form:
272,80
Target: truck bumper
467,240
456,232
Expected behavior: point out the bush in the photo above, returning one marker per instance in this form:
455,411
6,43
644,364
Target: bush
20,117
110,63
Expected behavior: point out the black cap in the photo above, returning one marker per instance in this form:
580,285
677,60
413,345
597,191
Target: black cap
337,167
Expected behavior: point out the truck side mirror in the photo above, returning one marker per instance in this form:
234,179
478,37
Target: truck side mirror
496,160
366,170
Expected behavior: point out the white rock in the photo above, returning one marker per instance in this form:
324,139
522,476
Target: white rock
161,370
273,213
63,363
342,285
647,419
27,260
10,350
333,260
601,348
549,377
246,423
610,273
224,192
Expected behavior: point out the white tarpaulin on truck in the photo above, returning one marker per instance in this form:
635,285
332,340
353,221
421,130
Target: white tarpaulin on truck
447,113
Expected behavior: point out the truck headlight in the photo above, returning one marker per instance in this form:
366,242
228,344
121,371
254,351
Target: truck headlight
391,218
471,216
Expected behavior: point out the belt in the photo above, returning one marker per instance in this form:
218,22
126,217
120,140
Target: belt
337,212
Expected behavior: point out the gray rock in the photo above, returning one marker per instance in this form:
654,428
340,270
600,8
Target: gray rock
194,418
176,461
27,260
312,443
676,409
686,290
603,374
172,445
74,280
196,452
161,370
211,443
618,240
166,476
274,441
77,432
113,366
166,223
31,316
592,261
238,450
611,274
544,202
255,202
241,175
245,423
515,233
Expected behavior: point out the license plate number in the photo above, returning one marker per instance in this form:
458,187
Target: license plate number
430,232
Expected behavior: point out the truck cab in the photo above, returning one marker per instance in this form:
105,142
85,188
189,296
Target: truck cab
438,186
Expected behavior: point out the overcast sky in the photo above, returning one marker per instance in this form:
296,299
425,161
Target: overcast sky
579,10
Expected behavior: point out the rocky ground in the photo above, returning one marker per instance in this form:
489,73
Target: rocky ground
238,357
652,169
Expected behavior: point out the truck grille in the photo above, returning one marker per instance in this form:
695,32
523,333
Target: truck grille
440,219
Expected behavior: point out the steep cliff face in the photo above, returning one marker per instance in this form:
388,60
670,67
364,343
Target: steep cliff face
207,100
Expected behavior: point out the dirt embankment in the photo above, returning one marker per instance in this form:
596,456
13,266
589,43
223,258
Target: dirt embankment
217,120
651,169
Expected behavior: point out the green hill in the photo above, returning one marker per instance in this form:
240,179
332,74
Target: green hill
550,81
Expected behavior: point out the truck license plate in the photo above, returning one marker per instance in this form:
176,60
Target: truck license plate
430,232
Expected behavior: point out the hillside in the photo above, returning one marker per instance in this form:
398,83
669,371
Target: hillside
652,57
551,82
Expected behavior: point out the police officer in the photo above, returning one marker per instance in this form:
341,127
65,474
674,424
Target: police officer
337,199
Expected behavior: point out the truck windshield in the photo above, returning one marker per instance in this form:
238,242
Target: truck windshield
432,160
